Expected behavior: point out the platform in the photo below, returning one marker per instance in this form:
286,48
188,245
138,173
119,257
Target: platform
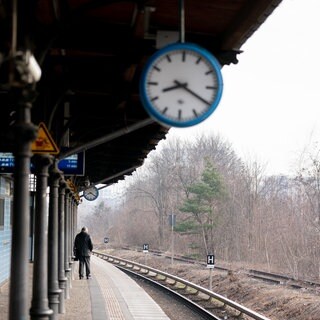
109,295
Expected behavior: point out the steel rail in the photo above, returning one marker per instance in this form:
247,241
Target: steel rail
152,272
265,276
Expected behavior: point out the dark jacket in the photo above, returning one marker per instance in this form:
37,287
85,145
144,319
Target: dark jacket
82,244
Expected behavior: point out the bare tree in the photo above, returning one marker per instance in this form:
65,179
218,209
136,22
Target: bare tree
270,221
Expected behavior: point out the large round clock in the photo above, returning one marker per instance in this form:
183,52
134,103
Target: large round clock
91,193
181,85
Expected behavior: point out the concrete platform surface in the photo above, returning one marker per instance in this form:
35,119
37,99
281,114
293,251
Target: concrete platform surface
109,295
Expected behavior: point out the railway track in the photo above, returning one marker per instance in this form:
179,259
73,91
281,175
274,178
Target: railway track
268,277
283,280
208,304
201,312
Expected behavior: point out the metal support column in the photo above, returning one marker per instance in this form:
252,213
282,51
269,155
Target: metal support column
75,216
54,290
61,246
25,133
39,306
72,235
66,244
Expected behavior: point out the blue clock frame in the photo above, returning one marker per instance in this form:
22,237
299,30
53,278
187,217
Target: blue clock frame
147,103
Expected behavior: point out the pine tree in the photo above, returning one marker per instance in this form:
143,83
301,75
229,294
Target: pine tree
202,206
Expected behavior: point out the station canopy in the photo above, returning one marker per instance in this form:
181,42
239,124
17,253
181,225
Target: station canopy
91,54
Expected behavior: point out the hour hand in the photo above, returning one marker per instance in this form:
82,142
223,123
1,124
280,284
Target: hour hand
176,86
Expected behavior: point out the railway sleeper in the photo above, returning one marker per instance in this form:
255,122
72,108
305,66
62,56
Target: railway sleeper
161,278
209,306
198,300
135,268
152,275
178,286
171,282
144,271
215,304
190,293
174,283
233,312
202,297
224,314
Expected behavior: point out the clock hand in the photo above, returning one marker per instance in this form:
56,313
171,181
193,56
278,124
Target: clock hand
184,86
177,86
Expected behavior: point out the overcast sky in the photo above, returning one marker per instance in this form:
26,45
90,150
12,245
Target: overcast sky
270,108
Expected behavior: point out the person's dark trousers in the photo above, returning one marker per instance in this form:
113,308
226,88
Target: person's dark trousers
84,262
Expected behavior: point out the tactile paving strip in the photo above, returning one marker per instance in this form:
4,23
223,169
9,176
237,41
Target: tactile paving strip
113,307
125,299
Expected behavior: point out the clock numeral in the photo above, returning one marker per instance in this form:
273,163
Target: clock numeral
183,56
157,68
155,98
153,83
179,114
198,61
195,112
168,58
208,72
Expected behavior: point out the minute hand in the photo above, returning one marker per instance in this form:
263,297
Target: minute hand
184,86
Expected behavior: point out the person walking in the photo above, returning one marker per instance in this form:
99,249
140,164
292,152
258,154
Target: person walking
82,250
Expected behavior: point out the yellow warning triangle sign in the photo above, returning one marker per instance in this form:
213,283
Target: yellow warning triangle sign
44,142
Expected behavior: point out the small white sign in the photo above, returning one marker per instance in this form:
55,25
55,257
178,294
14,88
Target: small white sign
146,248
210,261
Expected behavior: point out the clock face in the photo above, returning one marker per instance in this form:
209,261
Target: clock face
181,85
91,193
